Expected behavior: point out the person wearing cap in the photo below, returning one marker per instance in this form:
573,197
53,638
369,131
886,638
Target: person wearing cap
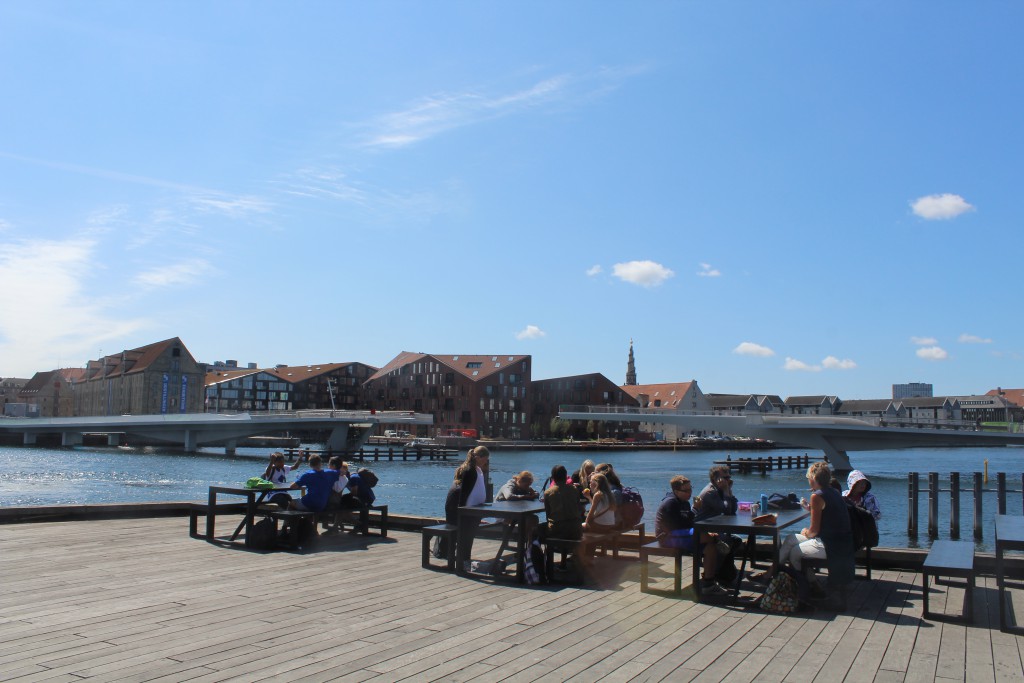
858,492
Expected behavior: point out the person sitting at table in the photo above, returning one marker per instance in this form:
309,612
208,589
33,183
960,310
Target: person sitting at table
858,492
277,472
562,507
519,487
581,477
716,498
360,496
673,527
614,483
318,483
827,536
337,464
472,479
601,516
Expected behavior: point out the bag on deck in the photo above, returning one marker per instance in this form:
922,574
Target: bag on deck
368,476
631,508
258,483
863,526
263,536
781,595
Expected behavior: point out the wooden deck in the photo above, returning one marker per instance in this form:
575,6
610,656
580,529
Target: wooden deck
138,600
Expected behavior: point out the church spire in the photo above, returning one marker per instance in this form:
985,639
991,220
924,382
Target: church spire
630,367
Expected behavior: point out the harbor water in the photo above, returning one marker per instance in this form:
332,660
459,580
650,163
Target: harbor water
43,476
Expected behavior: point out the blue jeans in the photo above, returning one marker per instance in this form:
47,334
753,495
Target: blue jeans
680,538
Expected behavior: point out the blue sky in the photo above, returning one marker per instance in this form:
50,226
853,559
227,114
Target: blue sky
786,197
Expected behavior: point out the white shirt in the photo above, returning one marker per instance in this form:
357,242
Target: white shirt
478,495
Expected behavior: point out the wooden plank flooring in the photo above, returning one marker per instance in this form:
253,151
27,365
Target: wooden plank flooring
138,600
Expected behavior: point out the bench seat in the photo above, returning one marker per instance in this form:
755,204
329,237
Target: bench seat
653,548
293,521
448,533
197,509
336,519
950,558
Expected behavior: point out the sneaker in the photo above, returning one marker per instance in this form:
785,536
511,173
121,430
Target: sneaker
712,588
759,577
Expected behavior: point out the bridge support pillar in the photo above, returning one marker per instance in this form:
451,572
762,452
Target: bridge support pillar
338,439
230,447
28,439
70,439
190,441
839,460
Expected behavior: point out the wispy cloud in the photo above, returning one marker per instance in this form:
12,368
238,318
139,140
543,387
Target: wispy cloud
932,353
443,112
751,349
792,364
707,271
643,273
325,182
940,207
232,207
833,363
972,339
924,341
530,332
594,270
68,324
183,273
4,225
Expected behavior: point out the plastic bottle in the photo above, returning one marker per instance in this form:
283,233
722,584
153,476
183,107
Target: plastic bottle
764,503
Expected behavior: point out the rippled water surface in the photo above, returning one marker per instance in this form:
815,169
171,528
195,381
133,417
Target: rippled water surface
42,476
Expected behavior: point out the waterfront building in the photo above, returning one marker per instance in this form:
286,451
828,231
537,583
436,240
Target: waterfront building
1015,399
678,396
327,386
10,387
51,392
486,393
927,409
594,389
231,389
911,390
987,408
880,408
746,404
812,405
160,378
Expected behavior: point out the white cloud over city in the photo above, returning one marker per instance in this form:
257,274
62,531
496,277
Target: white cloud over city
751,349
973,339
707,270
939,207
594,270
530,332
924,341
932,353
643,273
184,273
792,364
833,363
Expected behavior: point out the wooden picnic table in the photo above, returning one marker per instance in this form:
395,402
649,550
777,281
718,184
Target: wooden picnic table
253,497
515,511
742,525
1009,536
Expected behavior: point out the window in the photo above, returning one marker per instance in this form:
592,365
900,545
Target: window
474,365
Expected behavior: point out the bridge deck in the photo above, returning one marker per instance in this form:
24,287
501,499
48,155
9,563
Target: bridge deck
138,600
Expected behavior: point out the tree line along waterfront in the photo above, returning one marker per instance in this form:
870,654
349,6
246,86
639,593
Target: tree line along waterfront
43,476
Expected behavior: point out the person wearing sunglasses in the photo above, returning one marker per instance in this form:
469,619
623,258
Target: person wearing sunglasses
717,497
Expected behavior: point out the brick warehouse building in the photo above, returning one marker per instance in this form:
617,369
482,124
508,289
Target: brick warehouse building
481,392
594,389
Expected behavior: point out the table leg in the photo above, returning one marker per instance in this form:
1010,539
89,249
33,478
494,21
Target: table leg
1000,569
211,514
460,545
698,557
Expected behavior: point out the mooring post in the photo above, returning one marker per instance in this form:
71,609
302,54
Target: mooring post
912,504
1001,492
977,506
954,505
933,504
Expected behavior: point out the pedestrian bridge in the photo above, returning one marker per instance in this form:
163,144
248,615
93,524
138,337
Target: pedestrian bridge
834,435
349,429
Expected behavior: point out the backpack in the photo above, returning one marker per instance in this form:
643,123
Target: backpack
777,501
368,476
781,595
533,564
631,508
263,536
863,527
258,483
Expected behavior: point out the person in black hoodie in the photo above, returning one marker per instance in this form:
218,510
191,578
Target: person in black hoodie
673,527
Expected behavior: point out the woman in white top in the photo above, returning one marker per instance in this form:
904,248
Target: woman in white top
471,478
600,517
277,472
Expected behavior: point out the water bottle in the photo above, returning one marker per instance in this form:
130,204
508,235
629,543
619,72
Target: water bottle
764,503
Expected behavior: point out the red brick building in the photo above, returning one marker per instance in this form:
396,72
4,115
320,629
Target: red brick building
593,389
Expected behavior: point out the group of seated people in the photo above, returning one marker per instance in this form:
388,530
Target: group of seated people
334,488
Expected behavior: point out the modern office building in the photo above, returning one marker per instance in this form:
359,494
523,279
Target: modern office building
911,390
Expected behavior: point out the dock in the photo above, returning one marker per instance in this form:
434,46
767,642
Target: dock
376,453
137,600
764,465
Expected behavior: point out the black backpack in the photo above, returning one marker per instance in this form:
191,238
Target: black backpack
863,527
777,501
367,476
263,536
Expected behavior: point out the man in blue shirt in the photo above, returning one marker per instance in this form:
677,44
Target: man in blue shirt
318,483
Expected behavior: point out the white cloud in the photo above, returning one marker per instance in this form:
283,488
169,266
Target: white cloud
752,349
793,364
972,339
233,207
4,225
58,322
594,270
932,353
924,341
707,271
183,273
643,273
530,332
938,207
833,363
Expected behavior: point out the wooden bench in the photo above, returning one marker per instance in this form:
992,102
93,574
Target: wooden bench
821,562
950,558
197,509
612,538
336,518
653,548
565,547
293,520
448,533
